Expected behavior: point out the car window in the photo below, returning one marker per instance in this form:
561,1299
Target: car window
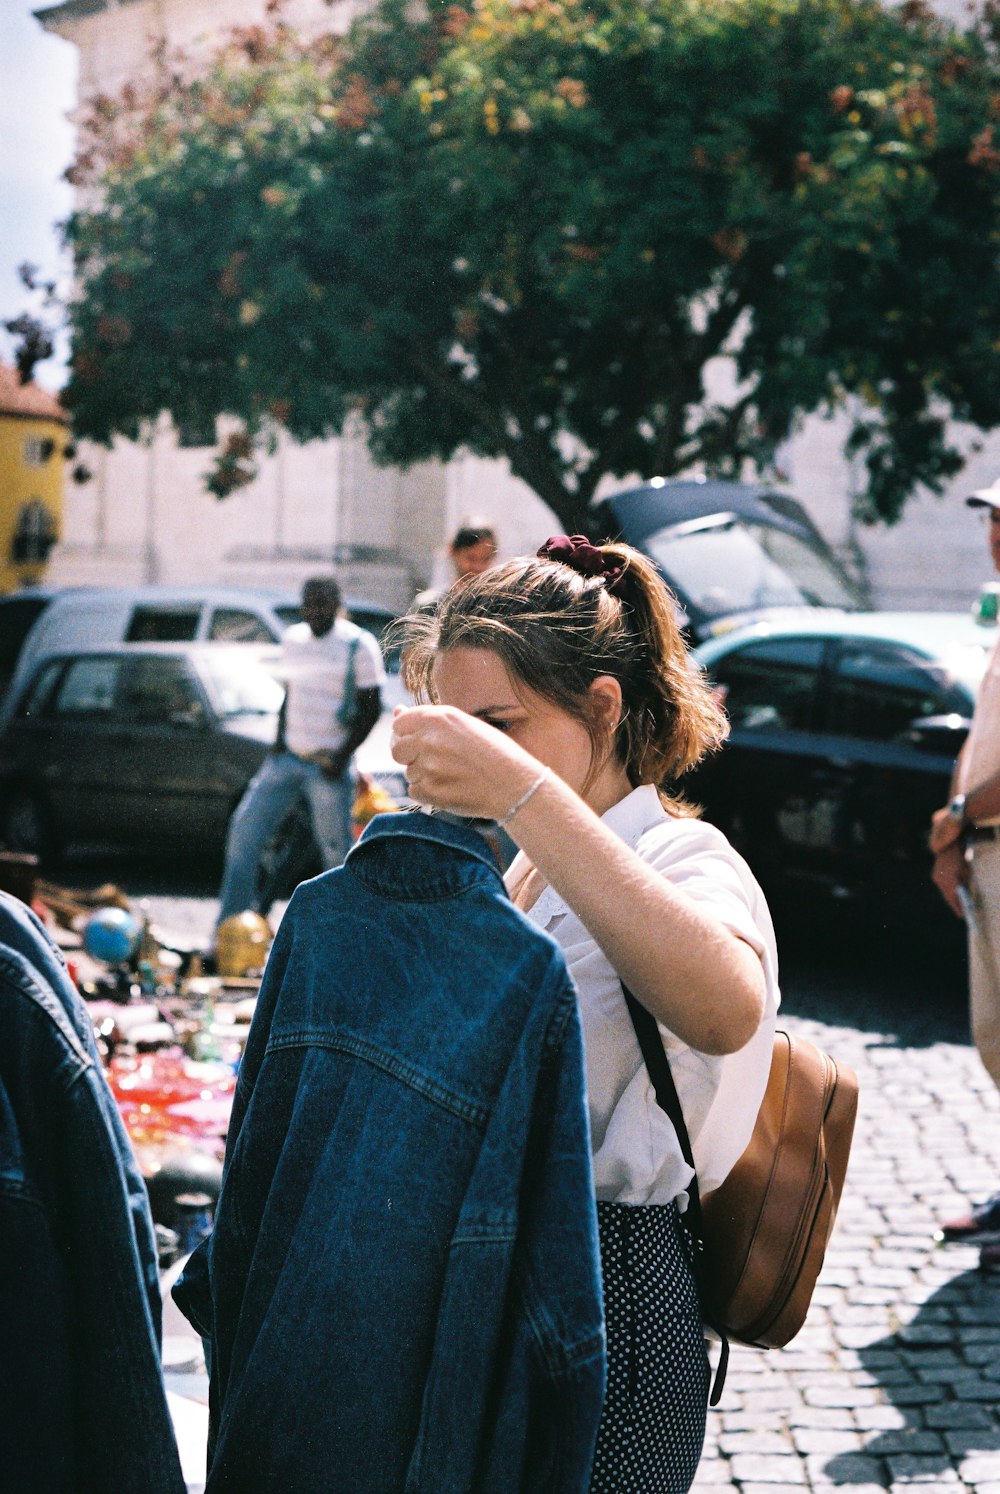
159,692
239,687
235,625
288,615
721,565
163,625
816,575
771,686
88,688
880,688
376,620
34,700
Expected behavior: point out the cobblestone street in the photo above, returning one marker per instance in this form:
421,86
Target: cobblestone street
895,1380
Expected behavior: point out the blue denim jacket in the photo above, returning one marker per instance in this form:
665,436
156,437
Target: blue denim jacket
402,1289
82,1403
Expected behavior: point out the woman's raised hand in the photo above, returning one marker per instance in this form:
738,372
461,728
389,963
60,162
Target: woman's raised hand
455,762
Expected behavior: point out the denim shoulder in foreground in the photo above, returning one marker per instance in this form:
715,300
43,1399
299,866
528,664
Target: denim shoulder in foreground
404,1266
85,1407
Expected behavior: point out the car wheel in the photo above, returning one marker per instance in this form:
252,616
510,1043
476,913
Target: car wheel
25,825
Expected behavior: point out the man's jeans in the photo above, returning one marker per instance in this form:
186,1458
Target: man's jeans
269,796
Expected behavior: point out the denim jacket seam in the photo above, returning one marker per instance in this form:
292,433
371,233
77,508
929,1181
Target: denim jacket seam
484,1234
429,892
555,1031
462,1106
19,1188
560,1357
38,997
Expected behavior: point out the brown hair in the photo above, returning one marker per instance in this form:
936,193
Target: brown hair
556,631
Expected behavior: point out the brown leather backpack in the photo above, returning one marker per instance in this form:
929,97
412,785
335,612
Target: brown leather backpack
764,1232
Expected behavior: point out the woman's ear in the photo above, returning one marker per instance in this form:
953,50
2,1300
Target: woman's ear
606,698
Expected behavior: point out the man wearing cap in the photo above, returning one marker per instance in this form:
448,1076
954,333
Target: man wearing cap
965,840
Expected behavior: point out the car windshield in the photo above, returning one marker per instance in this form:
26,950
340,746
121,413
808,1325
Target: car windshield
288,615
732,566
240,687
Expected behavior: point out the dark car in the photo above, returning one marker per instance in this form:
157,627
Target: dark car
19,611
729,550
845,729
141,745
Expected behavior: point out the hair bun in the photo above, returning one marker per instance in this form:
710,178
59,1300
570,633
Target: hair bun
576,551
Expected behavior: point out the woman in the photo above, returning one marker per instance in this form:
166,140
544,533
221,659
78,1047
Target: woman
562,697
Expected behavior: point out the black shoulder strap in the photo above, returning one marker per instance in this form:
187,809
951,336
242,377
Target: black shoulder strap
658,1068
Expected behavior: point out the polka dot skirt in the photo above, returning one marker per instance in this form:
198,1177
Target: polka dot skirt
652,1426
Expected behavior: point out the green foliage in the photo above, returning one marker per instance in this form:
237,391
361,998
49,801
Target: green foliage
528,229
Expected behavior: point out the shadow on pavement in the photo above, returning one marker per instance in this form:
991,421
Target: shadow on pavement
940,1375
845,965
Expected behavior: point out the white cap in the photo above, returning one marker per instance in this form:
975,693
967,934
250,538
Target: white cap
986,497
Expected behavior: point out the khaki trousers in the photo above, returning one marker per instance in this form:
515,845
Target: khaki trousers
984,953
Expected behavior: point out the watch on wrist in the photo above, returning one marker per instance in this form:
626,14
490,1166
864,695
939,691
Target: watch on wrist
956,808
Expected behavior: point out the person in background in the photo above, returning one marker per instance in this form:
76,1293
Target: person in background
334,675
473,549
561,698
965,840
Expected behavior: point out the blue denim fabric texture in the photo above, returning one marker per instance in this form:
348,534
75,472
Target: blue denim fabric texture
82,1402
403,1288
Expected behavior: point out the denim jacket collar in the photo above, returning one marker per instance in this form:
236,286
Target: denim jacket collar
409,854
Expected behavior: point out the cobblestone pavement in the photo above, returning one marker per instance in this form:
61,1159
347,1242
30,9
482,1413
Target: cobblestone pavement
895,1380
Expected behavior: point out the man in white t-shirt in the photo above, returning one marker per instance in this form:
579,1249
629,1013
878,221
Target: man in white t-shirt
965,839
333,672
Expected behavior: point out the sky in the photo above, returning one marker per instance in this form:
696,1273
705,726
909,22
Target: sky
37,89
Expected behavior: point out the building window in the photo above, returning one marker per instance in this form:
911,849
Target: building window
38,450
34,535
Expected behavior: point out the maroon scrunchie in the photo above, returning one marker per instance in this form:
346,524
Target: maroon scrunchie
576,551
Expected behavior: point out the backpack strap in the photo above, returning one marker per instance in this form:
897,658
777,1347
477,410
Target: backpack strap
348,704
658,1068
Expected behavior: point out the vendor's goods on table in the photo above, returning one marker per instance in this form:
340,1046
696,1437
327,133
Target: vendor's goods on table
171,1036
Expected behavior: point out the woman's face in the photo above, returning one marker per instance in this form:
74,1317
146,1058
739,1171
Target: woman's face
477,682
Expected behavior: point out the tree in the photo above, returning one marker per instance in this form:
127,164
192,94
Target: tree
529,228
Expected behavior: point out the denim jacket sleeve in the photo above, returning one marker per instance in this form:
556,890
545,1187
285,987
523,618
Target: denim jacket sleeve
513,1401
79,1166
193,1291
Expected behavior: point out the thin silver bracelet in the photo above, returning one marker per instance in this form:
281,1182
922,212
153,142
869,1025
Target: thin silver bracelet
543,777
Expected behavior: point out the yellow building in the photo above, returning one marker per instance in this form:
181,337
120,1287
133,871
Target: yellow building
33,440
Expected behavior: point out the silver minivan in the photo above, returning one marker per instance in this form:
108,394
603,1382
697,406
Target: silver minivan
93,617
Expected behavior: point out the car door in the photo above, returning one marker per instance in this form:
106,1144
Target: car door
760,788
68,745
885,784
164,753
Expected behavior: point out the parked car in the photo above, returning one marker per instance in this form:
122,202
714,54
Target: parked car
19,611
730,551
91,617
845,729
142,745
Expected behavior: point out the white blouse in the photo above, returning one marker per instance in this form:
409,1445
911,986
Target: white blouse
637,1158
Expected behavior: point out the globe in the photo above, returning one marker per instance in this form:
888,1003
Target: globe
112,935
